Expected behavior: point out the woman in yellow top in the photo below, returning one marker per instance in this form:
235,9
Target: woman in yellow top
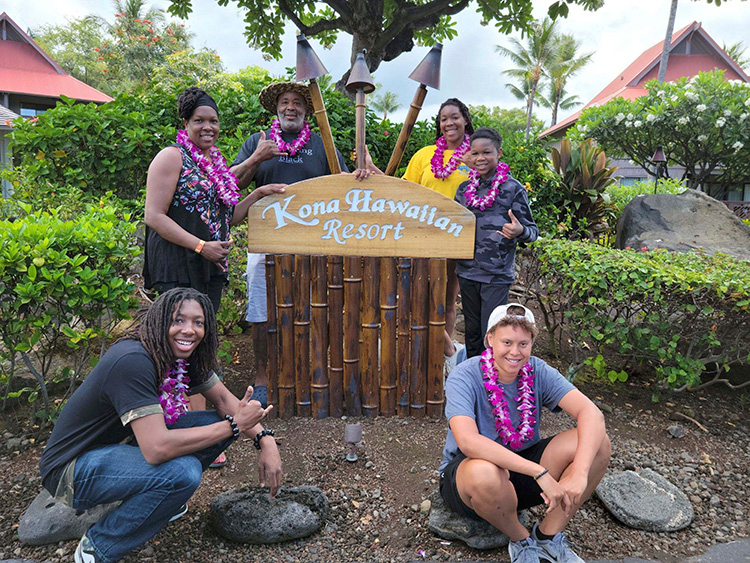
440,167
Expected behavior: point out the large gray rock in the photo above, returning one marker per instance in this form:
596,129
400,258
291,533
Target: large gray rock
682,223
250,515
48,521
645,500
474,533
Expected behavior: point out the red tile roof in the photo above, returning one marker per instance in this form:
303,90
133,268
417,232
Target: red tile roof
630,82
26,69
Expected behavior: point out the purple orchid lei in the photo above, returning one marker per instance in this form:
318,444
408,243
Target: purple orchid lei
215,169
509,435
501,175
436,163
293,147
172,392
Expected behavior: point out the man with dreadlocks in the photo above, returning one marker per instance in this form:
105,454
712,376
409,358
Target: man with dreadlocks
126,434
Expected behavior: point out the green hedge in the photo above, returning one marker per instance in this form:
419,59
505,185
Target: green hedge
62,283
676,315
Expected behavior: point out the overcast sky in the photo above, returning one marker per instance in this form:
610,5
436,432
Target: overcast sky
471,68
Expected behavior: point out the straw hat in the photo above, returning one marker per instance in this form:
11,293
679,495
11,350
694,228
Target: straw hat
269,96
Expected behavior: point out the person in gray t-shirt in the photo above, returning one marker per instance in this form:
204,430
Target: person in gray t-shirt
495,461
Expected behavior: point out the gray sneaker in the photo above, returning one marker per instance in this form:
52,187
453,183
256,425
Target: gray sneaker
524,551
556,550
85,552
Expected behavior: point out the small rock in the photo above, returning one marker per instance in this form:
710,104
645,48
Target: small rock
425,506
677,431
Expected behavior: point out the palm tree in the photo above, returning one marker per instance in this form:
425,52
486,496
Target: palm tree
387,102
667,47
531,59
736,52
562,66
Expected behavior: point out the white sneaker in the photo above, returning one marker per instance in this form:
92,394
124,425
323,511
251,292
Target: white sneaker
556,550
180,513
524,551
85,552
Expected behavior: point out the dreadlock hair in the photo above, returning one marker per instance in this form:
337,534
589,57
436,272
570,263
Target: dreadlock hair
151,328
464,113
490,134
187,100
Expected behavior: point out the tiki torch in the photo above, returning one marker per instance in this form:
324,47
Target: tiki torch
427,73
360,83
310,68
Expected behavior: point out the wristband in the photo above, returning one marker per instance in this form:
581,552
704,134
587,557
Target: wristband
199,248
542,474
260,435
233,424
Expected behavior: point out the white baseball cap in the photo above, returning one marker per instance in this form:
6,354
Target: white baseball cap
501,313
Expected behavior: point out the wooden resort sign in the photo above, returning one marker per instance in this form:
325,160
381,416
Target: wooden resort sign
380,216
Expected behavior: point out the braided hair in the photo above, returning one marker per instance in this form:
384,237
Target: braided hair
151,328
490,134
186,102
464,113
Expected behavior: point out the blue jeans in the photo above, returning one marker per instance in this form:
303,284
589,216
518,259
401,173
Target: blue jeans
150,494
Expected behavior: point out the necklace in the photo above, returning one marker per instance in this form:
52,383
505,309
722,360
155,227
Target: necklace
501,176
293,147
436,164
172,392
510,436
215,169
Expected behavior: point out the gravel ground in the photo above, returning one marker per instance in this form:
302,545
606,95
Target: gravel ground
377,512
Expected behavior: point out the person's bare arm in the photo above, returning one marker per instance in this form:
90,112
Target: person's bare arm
240,210
245,170
161,183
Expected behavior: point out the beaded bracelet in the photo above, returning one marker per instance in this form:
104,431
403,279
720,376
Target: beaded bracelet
233,424
542,474
260,435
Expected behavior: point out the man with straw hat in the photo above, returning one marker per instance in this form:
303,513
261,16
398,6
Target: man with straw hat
288,152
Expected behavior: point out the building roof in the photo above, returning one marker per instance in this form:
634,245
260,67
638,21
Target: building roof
5,116
692,51
26,69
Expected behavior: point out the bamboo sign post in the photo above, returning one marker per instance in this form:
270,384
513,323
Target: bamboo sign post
427,73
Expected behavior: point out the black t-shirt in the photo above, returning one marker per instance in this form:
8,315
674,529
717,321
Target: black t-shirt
309,162
121,388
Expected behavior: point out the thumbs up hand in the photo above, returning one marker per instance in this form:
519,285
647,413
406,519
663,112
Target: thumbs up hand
513,229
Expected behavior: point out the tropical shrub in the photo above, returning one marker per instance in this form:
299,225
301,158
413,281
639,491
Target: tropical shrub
62,283
702,123
679,316
620,195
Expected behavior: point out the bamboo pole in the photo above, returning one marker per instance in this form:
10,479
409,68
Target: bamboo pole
419,338
388,346
336,334
319,314
352,292
285,304
272,341
403,137
359,127
403,362
370,326
435,361
302,334
321,116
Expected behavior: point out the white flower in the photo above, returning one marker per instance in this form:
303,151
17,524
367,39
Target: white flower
737,146
619,117
727,113
700,107
650,117
628,124
743,116
630,115
661,93
683,120
747,102
702,138
692,96
674,98
720,122
638,123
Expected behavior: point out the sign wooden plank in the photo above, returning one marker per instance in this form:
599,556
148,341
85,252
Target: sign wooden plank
380,216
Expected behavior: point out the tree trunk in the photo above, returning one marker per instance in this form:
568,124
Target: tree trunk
667,42
530,110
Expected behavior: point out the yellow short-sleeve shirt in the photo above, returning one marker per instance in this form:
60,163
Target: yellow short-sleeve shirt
420,172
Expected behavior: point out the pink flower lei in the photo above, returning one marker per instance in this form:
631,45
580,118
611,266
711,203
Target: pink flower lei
501,176
215,169
436,164
172,392
293,147
510,436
